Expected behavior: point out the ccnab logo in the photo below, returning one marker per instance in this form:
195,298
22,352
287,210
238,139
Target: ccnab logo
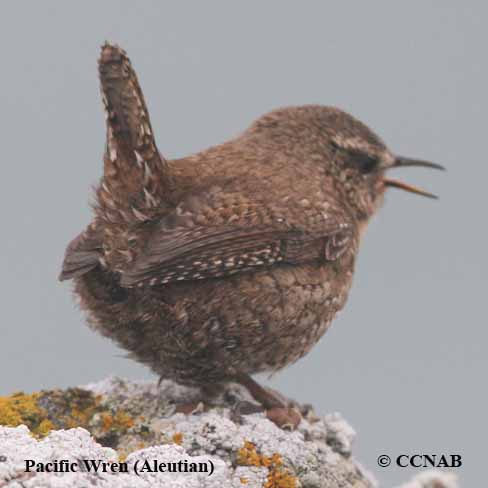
429,461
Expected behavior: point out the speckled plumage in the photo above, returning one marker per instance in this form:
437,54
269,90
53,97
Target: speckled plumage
231,261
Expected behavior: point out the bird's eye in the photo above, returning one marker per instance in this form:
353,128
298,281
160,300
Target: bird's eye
362,161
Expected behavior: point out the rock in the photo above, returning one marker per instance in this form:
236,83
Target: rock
77,444
136,424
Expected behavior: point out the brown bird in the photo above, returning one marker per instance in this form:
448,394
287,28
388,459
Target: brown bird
232,261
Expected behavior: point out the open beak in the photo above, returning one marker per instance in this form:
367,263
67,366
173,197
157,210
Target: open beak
402,162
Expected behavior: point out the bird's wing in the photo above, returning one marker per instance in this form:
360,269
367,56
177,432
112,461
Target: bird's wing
211,240
82,254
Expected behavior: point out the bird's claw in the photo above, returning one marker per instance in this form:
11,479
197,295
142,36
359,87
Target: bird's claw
286,418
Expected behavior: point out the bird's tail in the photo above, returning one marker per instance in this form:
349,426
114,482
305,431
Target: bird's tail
136,177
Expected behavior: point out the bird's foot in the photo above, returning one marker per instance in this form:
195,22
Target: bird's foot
280,411
190,408
287,418
306,410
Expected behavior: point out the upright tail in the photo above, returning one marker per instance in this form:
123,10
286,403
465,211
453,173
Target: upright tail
136,177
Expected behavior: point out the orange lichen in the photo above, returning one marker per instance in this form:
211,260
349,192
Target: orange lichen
243,480
119,421
248,456
177,438
78,417
278,476
280,479
122,421
107,421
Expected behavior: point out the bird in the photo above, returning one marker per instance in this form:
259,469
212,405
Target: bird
234,260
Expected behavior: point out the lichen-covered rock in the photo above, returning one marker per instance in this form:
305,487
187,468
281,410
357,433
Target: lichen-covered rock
75,445
131,423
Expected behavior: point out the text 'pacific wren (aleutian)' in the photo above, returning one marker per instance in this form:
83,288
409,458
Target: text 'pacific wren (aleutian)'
234,260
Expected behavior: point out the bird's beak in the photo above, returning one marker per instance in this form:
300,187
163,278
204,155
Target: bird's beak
401,162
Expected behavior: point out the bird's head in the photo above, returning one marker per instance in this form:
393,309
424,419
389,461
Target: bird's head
349,152
361,162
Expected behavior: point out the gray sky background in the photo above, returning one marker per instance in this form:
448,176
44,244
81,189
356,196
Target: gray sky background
406,361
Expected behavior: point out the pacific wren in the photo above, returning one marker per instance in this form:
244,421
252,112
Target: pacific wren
234,260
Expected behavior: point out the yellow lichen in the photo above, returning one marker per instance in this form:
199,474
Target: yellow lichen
177,438
243,480
79,407
78,418
83,408
21,408
9,414
72,408
278,476
45,427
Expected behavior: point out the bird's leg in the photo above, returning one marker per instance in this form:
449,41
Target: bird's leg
200,404
208,393
277,410
260,394
211,390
